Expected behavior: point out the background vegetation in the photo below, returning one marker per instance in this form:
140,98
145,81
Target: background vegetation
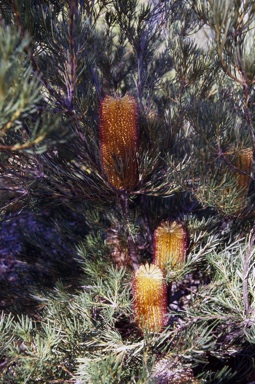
69,240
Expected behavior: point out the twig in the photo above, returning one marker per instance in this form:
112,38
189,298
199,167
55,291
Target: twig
37,71
131,243
72,65
246,272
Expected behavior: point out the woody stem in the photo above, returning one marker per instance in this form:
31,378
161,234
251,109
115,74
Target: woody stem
131,244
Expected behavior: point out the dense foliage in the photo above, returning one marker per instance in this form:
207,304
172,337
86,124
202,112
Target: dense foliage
71,238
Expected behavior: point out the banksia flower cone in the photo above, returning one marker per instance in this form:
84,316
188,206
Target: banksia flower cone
170,244
119,141
243,162
150,298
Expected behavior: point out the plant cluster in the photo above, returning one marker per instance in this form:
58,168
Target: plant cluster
127,191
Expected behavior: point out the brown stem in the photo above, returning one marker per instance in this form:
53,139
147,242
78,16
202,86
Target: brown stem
132,252
246,273
242,81
247,113
37,71
226,68
131,243
71,77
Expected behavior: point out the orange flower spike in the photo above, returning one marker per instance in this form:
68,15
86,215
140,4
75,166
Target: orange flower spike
243,162
119,141
150,298
170,245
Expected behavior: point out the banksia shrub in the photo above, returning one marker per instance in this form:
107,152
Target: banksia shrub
150,298
170,243
119,141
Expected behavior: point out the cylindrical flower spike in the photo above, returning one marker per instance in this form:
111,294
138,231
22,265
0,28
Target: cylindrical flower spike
150,298
243,162
241,159
170,245
119,141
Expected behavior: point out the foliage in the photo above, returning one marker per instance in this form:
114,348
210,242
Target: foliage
70,240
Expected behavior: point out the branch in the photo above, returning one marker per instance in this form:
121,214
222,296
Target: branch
246,272
130,240
72,64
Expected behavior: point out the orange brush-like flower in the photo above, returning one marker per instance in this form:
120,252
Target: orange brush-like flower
243,161
119,141
170,244
150,298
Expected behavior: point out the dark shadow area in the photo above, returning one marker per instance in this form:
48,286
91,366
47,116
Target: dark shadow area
36,251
